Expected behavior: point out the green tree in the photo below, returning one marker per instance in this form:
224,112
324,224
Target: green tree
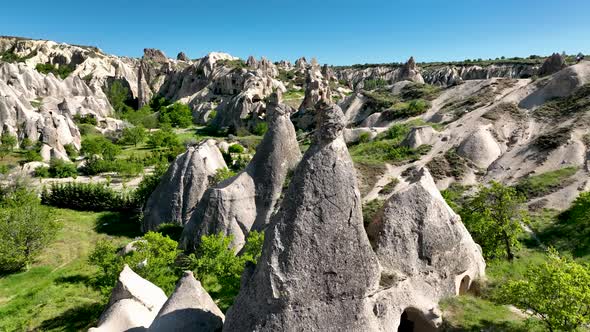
177,115
7,143
99,145
134,135
557,291
62,169
26,227
163,138
493,218
117,95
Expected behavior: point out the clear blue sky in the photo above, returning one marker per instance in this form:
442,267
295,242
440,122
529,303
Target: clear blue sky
336,32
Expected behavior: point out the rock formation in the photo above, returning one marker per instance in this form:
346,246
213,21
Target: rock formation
317,268
183,185
409,72
247,200
480,147
182,57
251,62
419,136
154,54
552,65
425,252
189,308
301,64
133,305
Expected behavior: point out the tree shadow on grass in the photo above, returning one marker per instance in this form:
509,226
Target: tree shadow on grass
566,235
119,224
76,319
74,279
487,325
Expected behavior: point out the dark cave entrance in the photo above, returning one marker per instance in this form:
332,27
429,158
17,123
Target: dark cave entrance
413,321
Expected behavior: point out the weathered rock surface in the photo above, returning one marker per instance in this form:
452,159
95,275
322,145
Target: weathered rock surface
154,54
409,72
419,136
317,267
552,65
247,200
133,305
182,57
189,308
425,251
183,185
480,147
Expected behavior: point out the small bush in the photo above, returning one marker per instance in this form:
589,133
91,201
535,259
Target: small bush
42,172
177,115
32,155
370,210
222,174
62,71
260,129
164,138
389,187
62,169
101,146
71,151
85,119
236,148
372,84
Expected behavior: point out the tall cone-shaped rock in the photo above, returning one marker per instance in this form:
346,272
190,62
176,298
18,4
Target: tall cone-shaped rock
183,185
247,200
426,254
189,308
317,267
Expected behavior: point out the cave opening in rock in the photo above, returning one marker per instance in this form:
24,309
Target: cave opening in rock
413,321
464,285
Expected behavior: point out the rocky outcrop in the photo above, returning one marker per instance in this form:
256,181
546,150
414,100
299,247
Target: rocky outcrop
246,201
301,64
182,186
251,62
419,136
182,57
480,147
409,72
316,88
552,65
133,305
154,55
425,252
317,268
189,308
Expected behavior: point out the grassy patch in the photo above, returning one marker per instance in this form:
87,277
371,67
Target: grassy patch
469,313
552,140
56,293
389,187
577,102
448,165
371,209
546,183
504,109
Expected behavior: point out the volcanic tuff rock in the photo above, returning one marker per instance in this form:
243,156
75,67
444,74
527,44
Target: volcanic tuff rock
133,304
183,185
480,147
419,136
317,267
409,72
552,65
189,308
154,54
425,251
182,57
247,200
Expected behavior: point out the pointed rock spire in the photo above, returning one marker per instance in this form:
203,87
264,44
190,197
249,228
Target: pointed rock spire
317,267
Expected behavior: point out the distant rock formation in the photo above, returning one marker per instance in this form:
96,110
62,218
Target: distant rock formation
133,305
552,65
301,64
189,308
316,88
480,147
182,57
425,252
154,54
183,185
409,72
247,200
418,136
251,62
317,267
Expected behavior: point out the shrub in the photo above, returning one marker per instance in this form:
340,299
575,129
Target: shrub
62,169
88,130
144,116
26,228
557,291
177,115
134,135
62,71
364,138
85,197
32,155
370,210
148,184
7,143
389,187
71,151
222,174
219,269
99,145
42,172
85,119
260,129
236,148
163,138
117,95
372,84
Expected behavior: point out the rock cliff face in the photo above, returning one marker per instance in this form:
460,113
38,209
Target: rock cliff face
189,308
247,200
317,267
425,252
182,186
552,65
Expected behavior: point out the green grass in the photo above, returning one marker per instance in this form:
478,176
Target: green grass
543,184
56,293
469,313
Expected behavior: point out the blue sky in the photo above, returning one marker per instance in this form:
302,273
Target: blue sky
336,32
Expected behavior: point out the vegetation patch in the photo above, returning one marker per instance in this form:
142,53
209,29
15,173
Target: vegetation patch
62,71
371,209
233,64
504,109
420,91
450,164
534,186
552,140
389,187
576,103
367,175
86,197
